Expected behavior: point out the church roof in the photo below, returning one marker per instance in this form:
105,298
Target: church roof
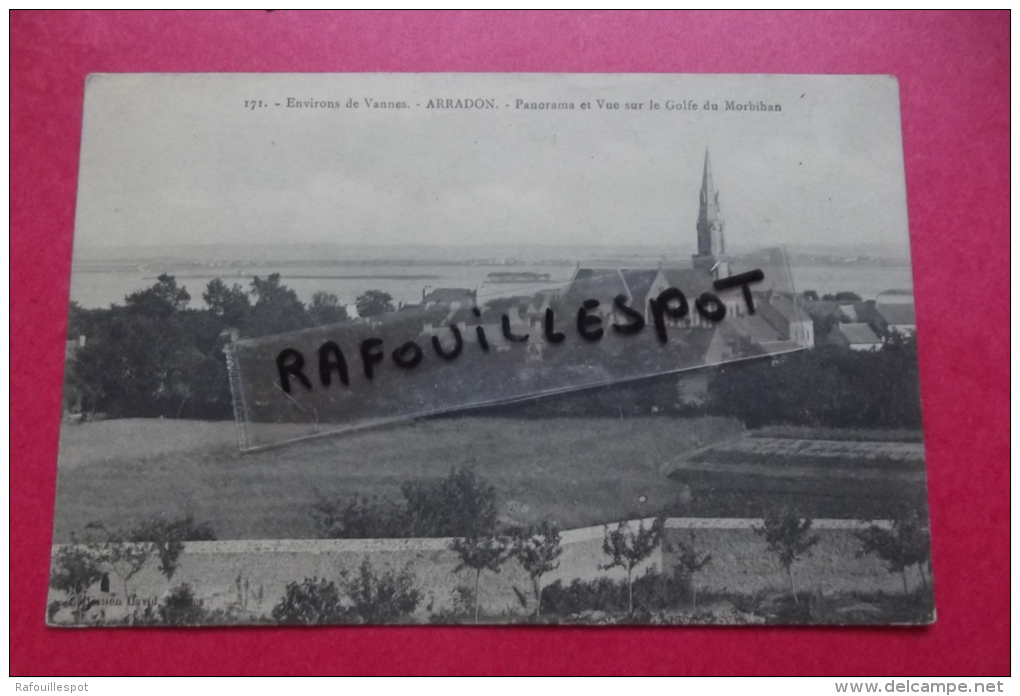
639,282
601,284
691,281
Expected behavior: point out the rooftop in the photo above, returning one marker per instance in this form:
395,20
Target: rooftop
858,334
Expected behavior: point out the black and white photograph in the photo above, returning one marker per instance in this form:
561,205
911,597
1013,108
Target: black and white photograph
480,348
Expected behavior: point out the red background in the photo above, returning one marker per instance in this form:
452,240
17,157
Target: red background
954,82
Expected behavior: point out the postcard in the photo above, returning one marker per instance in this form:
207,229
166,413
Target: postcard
491,348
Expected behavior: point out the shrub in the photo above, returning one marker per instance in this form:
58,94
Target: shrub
367,597
602,594
384,598
75,570
459,505
312,601
359,517
180,608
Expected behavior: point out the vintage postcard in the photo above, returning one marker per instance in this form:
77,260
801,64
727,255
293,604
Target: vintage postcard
491,348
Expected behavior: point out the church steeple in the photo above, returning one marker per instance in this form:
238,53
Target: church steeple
709,210
711,242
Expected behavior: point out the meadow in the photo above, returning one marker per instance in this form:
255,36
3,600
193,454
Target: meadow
574,471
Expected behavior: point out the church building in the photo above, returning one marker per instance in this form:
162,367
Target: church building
777,322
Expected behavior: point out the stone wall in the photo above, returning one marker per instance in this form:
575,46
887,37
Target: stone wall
252,575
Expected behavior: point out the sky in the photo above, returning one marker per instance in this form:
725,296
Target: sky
179,159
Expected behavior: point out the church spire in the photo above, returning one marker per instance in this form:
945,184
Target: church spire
711,243
709,209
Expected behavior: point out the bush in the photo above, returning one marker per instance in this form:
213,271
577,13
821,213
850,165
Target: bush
367,597
75,570
378,599
602,594
180,608
876,389
653,593
458,505
311,601
359,517
167,537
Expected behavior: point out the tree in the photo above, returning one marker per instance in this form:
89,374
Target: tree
788,537
161,300
906,544
326,309
130,362
628,549
827,386
75,570
229,304
689,563
378,599
497,306
481,553
277,308
459,505
374,303
127,552
312,601
842,296
125,558
538,549
167,537
151,357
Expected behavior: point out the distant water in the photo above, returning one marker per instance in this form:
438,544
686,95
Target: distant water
98,284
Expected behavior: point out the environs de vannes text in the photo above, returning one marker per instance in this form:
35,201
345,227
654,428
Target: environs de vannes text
523,104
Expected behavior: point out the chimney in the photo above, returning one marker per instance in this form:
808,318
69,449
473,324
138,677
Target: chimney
81,341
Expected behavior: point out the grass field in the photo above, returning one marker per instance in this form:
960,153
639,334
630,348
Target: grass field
575,471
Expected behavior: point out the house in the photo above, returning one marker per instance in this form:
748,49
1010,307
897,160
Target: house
783,314
892,312
453,297
854,336
895,312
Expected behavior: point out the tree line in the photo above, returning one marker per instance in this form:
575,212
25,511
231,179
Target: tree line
157,356
827,386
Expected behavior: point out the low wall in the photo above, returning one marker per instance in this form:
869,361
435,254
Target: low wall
251,576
